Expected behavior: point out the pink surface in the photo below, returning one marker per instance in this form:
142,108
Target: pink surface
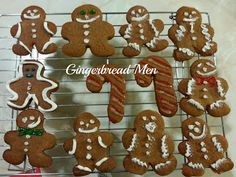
37,170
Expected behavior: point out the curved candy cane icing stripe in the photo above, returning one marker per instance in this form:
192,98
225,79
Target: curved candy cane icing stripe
163,83
117,93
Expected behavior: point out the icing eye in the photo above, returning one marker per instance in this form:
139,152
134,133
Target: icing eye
92,121
140,11
24,119
92,12
197,123
35,10
191,127
33,69
81,123
153,118
31,117
29,11
196,130
199,65
83,12
133,12
144,118
194,12
186,14
27,69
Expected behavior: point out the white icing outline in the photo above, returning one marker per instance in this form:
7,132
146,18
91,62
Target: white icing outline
180,32
133,141
195,165
88,131
84,168
128,31
208,43
188,152
153,42
203,134
191,83
164,147
23,45
45,25
218,163
45,46
87,20
162,165
98,163
32,96
74,146
196,103
134,46
217,144
186,51
34,124
18,33
101,143
216,104
220,88
139,162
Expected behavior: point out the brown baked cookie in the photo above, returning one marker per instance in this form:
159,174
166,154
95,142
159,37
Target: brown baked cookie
204,91
202,149
87,30
148,145
30,140
90,146
190,35
116,105
142,31
33,31
30,86
162,77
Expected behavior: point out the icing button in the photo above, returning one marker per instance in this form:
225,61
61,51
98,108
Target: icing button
205,96
142,37
33,30
204,90
141,30
203,149
146,145
86,26
89,148
140,25
27,136
205,82
86,33
194,38
26,150
88,156
26,143
89,140
34,36
86,41
147,153
32,24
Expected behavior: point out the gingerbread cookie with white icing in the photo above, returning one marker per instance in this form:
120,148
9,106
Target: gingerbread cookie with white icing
142,31
204,91
90,146
116,107
32,86
148,145
162,78
202,149
87,30
29,141
33,31
190,35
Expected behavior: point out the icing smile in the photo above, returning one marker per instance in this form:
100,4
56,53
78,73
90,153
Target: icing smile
207,73
87,20
81,130
139,18
29,75
35,124
190,19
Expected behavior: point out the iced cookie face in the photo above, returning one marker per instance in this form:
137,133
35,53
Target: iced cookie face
149,121
195,128
86,14
30,118
30,70
188,15
86,123
203,68
33,13
137,14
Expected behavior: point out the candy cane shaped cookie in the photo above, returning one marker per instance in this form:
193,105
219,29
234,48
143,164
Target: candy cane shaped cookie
161,74
94,84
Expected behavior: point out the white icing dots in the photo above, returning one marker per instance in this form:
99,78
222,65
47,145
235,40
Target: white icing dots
88,156
86,41
86,33
32,24
205,156
26,143
147,145
148,153
33,30
203,149
34,36
194,38
89,148
204,90
89,140
26,150
196,130
205,96
27,136
85,26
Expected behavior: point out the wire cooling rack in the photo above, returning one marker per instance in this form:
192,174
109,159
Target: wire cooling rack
74,98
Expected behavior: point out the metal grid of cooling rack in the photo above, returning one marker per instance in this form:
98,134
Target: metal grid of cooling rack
73,97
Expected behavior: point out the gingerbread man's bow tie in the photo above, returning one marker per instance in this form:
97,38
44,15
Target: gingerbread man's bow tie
210,80
29,131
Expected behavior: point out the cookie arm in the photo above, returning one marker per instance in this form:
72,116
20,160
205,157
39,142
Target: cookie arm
50,28
16,30
129,139
108,30
210,30
185,86
185,148
158,24
220,143
170,144
105,139
10,137
177,33
123,29
69,144
49,140
222,86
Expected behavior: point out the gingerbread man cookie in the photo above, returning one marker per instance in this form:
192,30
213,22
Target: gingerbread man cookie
90,146
87,30
204,91
142,31
30,86
148,145
202,149
33,31
30,140
162,78
116,105
190,35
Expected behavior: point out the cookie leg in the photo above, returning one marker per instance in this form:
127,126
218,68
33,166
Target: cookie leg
132,49
13,157
190,171
74,49
183,54
105,164
22,48
191,107
46,47
101,49
207,48
133,167
83,169
37,159
160,45
218,109
222,165
20,103
165,167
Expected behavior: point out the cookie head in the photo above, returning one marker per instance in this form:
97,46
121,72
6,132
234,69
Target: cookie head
203,68
86,123
29,70
137,14
149,121
33,13
30,118
188,15
195,128
86,14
